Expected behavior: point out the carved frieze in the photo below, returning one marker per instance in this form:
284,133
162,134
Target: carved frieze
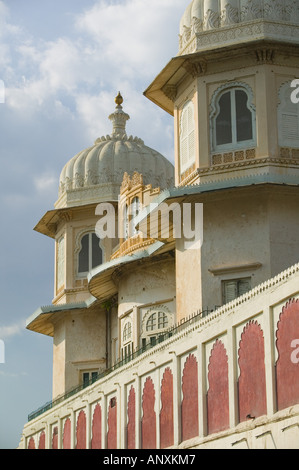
219,22
231,157
129,183
229,15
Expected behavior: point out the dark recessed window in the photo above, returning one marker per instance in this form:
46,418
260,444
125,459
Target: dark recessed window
235,288
90,255
234,121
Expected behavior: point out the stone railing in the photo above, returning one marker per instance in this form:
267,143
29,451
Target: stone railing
193,390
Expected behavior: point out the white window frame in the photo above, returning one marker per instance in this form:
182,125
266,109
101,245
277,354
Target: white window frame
153,334
129,212
287,108
84,273
90,374
127,332
215,109
187,111
60,263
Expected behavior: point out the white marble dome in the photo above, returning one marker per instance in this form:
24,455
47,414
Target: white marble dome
208,24
96,173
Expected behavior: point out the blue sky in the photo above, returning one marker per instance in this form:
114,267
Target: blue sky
62,63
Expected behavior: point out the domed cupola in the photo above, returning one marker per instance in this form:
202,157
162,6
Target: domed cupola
207,23
96,173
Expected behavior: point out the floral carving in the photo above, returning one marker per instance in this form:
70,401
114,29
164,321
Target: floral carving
229,15
212,20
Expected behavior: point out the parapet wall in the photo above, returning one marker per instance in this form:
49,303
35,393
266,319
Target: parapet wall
229,380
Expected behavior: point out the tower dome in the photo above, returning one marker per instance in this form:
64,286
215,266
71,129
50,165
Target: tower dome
208,24
96,173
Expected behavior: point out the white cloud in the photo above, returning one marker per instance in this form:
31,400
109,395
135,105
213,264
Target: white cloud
46,183
12,330
6,28
132,34
117,45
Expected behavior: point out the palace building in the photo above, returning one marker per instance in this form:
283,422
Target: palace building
161,340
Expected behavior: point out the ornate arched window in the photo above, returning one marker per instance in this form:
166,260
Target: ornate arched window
129,213
125,224
134,211
233,118
155,324
90,254
187,137
157,321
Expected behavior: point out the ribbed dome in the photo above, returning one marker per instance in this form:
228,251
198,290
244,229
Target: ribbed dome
96,173
237,21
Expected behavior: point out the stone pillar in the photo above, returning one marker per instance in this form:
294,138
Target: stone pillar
232,378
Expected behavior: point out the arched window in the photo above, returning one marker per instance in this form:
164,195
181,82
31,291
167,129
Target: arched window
135,205
125,223
129,213
133,212
157,321
233,119
127,333
127,343
154,327
187,137
90,254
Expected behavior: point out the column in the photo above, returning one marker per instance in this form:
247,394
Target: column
73,429
268,331
232,378
59,437
202,402
137,412
104,421
88,424
157,385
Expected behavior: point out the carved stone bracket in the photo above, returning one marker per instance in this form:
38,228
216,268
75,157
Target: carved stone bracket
52,228
66,216
265,56
196,68
170,91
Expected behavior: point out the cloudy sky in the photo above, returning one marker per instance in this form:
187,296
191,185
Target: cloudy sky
62,63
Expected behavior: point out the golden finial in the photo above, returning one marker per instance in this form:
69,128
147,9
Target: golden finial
119,99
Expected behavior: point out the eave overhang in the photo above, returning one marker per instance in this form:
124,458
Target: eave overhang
43,319
195,193
49,222
100,280
163,89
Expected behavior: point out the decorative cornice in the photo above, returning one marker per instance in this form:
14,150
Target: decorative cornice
253,162
237,33
218,271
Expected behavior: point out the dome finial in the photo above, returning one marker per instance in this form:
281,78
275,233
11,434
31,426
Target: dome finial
119,99
119,118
